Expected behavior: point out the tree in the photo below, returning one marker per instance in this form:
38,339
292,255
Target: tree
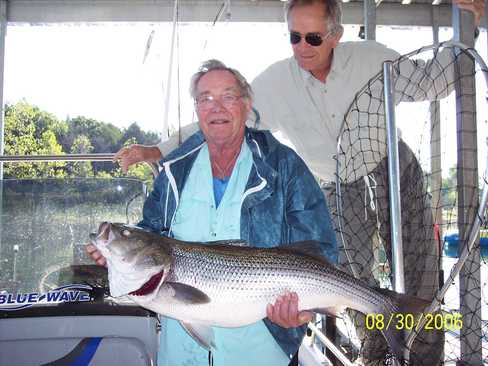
24,137
135,134
31,131
104,137
81,145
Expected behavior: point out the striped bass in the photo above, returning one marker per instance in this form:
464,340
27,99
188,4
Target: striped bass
215,284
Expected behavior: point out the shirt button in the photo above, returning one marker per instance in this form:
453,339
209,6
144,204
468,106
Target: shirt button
333,115
214,234
325,91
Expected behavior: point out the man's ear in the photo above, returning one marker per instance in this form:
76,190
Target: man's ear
337,37
248,104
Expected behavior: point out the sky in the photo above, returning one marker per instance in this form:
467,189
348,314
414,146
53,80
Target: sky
108,72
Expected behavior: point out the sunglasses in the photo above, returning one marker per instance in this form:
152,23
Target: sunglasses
313,39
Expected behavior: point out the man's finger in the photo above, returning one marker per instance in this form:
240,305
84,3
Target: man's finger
119,154
269,311
284,309
124,165
274,313
90,248
293,309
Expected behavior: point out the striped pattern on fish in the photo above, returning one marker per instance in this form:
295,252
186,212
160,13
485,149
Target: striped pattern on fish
216,284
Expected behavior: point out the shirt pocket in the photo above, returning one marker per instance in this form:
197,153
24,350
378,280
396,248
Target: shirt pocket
230,226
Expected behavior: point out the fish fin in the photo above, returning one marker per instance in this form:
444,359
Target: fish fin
202,334
233,243
406,304
187,294
310,248
333,311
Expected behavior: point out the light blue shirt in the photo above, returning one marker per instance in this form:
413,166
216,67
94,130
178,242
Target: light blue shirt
198,218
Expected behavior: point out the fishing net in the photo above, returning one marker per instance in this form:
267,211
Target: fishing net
433,212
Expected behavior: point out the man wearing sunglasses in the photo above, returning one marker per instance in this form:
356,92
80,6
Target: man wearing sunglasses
305,98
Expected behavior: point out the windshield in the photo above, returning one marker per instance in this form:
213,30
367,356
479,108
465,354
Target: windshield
44,226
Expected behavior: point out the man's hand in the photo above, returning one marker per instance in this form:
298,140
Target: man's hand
285,312
477,7
134,154
96,255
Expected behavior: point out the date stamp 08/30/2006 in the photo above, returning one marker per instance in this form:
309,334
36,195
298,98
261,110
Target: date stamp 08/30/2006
400,321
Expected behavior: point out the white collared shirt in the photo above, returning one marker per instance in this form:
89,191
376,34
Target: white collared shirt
309,112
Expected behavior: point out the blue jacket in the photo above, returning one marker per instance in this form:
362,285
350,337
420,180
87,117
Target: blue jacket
282,204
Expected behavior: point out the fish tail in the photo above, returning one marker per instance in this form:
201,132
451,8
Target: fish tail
401,316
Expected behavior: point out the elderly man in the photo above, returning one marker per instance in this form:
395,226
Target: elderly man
230,182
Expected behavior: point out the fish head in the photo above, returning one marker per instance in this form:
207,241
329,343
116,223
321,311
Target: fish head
135,257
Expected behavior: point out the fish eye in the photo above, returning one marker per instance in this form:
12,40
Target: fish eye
125,232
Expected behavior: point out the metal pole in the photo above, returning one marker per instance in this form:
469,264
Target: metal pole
394,179
3,30
436,181
68,157
467,181
435,139
330,345
165,131
370,20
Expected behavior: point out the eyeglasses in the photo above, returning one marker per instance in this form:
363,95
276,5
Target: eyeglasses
207,101
313,39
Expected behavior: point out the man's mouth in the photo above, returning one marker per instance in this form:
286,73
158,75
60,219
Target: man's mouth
307,57
219,121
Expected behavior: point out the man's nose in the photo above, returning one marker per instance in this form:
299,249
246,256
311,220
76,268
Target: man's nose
217,104
303,43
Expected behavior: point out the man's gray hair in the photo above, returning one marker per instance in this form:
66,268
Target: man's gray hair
213,65
332,9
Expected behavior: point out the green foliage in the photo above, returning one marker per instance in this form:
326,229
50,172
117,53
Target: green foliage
103,137
449,189
129,141
134,134
23,136
31,131
81,145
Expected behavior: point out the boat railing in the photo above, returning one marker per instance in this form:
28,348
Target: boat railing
67,157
